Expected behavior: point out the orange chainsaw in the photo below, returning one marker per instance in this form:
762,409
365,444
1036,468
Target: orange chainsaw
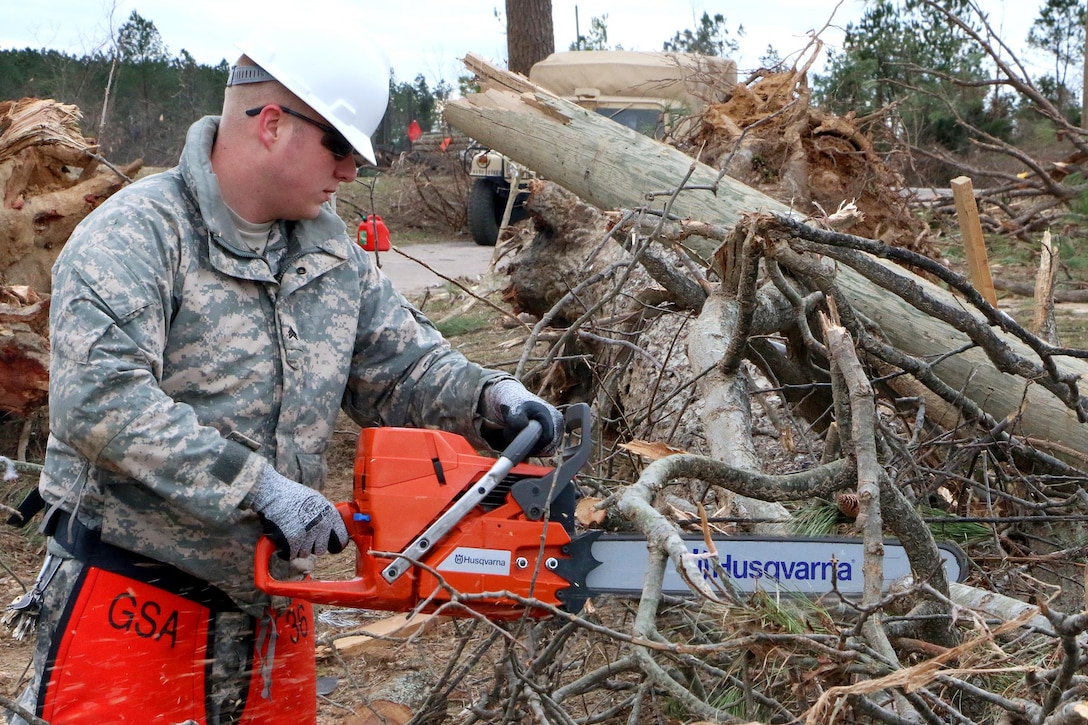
434,522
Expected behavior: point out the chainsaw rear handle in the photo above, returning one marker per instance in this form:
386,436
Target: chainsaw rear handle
329,592
579,417
536,495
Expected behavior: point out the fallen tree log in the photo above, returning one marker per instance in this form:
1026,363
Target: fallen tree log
613,167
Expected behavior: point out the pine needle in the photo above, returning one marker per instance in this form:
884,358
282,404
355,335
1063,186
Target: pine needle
819,518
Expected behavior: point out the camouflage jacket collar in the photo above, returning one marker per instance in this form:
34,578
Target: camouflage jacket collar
326,235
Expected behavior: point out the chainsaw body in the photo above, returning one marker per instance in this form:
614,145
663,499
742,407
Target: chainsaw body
433,520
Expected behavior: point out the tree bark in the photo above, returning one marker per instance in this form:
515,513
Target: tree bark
613,167
24,350
529,34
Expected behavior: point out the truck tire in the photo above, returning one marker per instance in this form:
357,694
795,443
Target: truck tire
484,212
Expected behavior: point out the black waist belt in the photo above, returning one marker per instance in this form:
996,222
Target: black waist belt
86,545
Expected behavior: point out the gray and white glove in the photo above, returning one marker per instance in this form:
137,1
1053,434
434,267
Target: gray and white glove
508,404
298,519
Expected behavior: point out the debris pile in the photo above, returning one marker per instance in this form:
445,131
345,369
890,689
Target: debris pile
702,312
768,136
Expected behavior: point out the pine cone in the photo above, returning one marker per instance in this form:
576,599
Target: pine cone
849,504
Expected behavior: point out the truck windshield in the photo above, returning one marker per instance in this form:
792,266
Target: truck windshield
647,121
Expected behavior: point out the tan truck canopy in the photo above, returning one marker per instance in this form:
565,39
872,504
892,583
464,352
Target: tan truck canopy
611,75
653,94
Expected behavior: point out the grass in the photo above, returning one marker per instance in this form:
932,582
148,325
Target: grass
1018,261
819,518
792,615
463,325
1072,320
959,532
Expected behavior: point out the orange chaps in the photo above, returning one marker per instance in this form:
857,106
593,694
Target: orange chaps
128,651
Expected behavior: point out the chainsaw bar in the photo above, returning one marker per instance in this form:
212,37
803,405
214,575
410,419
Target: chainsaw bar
805,566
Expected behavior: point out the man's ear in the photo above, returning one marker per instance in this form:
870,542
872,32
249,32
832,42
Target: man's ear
269,125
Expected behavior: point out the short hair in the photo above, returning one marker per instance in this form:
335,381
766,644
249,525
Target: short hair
237,99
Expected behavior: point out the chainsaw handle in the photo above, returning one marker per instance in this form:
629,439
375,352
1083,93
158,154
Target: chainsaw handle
350,592
535,495
523,443
262,576
579,417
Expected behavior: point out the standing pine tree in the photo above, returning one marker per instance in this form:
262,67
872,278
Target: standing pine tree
1059,32
710,37
899,59
529,33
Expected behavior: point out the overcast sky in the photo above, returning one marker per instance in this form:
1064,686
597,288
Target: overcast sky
430,36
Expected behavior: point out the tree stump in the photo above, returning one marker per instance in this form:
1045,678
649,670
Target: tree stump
50,179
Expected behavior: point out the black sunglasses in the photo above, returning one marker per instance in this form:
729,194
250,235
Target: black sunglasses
333,140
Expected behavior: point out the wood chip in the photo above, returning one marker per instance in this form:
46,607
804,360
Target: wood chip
399,626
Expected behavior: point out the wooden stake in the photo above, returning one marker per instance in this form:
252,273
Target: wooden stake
1043,323
974,243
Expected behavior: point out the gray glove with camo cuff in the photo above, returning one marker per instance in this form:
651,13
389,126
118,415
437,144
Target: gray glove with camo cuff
508,404
298,519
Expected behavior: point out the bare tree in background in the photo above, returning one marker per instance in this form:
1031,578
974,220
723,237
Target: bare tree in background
529,33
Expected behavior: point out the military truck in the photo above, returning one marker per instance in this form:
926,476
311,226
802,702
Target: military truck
647,92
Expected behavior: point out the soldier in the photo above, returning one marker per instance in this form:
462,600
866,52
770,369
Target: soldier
208,323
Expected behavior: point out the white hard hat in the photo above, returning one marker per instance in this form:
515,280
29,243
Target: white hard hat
347,82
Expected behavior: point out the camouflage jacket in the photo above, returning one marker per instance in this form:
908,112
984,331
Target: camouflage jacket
180,364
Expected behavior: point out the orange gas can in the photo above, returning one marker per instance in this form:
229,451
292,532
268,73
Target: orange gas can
373,234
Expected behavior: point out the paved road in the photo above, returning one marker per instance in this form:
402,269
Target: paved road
454,258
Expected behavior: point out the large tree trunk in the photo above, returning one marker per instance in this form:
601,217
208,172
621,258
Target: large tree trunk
613,167
529,34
